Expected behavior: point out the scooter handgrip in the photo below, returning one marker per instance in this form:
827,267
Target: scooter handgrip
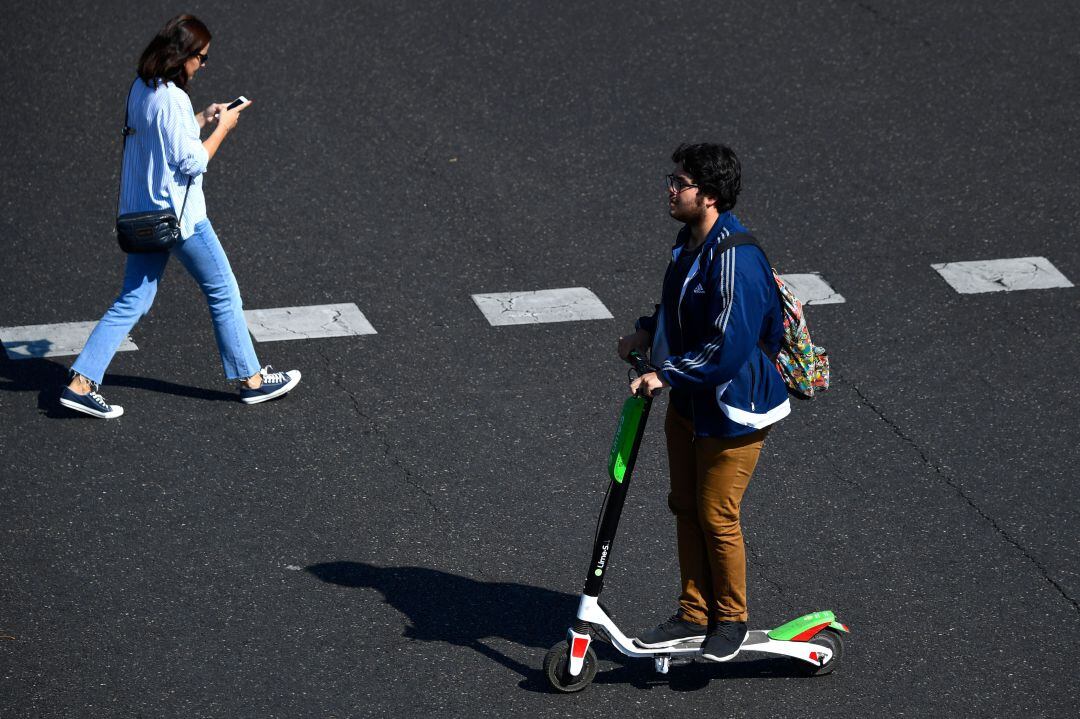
641,366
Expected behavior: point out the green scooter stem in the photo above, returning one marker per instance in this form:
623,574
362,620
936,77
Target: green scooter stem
624,450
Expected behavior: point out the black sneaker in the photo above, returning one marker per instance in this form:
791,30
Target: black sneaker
724,641
90,403
674,631
274,384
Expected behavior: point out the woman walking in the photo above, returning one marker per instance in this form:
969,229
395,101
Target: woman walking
163,165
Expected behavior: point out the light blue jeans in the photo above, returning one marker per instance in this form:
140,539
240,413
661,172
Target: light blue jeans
204,258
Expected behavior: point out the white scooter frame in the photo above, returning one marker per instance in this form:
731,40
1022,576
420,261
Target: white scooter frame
814,639
757,640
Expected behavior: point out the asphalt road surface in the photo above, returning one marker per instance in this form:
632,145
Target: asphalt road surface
407,532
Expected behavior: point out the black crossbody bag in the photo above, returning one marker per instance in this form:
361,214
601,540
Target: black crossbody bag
151,231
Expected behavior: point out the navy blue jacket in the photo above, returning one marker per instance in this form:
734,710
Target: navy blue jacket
732,324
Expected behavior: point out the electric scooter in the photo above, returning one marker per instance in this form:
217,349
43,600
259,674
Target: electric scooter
814,641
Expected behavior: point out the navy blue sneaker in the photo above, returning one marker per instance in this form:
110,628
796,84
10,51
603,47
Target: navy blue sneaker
90,403
724,641
674,631
274,384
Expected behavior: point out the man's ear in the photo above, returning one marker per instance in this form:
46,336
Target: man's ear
708,200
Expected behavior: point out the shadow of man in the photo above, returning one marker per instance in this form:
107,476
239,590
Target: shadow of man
450,608
443,607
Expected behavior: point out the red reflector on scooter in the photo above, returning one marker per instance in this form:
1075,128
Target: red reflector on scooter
580,646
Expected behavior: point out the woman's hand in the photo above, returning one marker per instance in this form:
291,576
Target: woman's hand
651,381
210,115
639,341
226,121
227,118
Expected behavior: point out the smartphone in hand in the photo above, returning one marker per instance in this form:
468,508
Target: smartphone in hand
237,102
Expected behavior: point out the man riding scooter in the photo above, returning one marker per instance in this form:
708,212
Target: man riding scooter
713,336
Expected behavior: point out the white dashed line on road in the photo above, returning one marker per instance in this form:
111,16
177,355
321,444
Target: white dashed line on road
811,289
57,340
305,323
568,304
523,308
1021,273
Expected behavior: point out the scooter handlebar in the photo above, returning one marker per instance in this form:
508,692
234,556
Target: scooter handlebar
640,364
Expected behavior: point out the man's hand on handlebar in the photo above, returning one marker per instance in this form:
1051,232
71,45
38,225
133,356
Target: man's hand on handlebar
639,341
648,384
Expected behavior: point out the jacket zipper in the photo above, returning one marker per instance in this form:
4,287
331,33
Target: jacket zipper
753,385
693,395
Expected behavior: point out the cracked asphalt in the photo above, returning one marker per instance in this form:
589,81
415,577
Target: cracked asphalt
408,531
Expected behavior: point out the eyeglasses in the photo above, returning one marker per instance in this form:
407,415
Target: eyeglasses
203,57
676,184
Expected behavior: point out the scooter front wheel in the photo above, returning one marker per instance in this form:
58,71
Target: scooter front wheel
556,664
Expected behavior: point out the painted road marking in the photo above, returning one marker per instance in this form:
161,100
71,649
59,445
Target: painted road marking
305,323
57,340
1021,273
524,308
811,289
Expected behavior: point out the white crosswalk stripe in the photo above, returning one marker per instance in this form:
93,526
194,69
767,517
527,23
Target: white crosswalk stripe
568,304
305,323
811,289
54,340
1020,273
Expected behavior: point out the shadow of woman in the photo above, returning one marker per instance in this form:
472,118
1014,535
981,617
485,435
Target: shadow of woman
47,377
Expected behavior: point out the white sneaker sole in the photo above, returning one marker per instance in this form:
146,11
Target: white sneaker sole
293,381
117,410
714,658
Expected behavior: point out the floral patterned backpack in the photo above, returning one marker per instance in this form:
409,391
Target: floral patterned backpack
803,364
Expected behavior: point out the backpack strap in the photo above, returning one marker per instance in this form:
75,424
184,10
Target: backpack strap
736,239
739,238
805,366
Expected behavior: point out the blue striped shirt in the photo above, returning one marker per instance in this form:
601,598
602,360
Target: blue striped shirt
162,154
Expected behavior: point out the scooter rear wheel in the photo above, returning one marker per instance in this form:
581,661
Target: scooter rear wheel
556,663
827,638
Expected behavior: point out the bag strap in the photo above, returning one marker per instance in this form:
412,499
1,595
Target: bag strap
126,132
736,239
739,238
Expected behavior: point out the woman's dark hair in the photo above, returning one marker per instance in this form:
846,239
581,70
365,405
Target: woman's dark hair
714,169
163,60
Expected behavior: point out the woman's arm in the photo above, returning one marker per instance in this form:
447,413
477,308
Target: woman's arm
183,149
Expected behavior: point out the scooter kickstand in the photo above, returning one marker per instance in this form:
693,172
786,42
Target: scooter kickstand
663,664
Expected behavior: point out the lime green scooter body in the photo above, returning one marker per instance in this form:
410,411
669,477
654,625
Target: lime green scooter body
806,626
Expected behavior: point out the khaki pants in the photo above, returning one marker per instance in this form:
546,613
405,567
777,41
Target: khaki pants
708,478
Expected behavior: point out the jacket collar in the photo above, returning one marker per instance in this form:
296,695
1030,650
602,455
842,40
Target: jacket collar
725,225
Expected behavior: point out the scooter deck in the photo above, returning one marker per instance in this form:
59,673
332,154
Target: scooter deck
688,645
754,636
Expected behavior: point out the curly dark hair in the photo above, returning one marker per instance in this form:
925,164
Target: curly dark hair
715,170
163,60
